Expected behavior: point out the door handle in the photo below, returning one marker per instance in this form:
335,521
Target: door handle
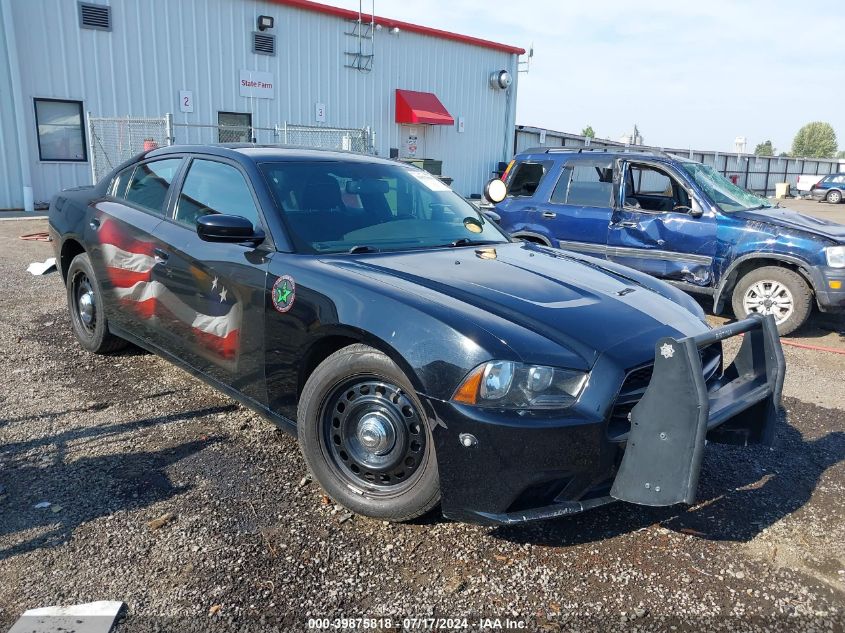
94,223
627,225
160,255
549,215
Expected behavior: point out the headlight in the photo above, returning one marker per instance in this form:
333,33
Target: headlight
503,384
835,256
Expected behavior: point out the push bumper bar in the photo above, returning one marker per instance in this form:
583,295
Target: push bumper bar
678,412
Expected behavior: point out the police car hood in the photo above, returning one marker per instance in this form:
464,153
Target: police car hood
582,303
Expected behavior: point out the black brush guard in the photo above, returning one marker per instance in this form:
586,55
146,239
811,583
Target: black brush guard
677,414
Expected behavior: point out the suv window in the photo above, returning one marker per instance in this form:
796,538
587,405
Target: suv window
838,179
150,182
585,183
211,187
526,178
653,189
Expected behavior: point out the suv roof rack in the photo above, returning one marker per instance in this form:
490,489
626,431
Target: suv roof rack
607,150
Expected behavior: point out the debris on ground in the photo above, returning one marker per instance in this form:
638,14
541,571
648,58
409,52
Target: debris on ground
93,617
160,522
42,504
42,268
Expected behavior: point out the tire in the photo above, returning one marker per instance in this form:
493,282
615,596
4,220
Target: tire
834,197
365,438
85,304
785,286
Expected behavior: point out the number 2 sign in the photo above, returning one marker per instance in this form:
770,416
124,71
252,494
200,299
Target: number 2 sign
186,101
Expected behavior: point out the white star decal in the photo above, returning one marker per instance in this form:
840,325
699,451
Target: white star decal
222,294
667,351
214,284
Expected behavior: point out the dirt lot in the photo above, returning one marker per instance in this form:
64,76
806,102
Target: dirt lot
116,442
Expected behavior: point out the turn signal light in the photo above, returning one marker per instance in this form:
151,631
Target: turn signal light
467,393
835,285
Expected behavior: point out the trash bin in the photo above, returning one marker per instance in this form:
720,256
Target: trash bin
781,190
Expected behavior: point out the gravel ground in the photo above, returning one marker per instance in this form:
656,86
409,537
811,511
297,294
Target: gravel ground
243,541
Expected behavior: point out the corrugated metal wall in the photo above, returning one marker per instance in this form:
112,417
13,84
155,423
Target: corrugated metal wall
158,47
758,173
11,192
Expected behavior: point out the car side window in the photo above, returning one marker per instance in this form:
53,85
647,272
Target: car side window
117,188
149,184
585,183
652,189
212,187
526,178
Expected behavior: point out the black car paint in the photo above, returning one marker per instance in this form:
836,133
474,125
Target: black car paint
438,313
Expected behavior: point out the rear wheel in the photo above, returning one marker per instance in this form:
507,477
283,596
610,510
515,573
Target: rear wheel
834,197
781,292
364,436
85,303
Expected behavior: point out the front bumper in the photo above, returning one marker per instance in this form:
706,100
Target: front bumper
829,286
496,469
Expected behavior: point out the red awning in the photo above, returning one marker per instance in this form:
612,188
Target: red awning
421,107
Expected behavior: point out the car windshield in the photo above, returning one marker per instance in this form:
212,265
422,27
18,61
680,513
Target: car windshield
727,196
351,206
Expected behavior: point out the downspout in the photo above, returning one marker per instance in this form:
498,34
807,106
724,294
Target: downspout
17,103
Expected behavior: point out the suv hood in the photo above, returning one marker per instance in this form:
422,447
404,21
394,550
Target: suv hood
795,220
580,305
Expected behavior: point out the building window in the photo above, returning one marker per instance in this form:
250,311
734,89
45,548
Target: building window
234,127
61,134
94,16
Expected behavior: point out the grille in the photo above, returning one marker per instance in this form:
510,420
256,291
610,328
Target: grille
263,44
95,16
636,382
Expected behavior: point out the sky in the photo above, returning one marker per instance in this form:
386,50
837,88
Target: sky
687,73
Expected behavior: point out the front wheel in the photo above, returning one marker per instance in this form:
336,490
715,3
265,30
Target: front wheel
834,197
364,436
781,292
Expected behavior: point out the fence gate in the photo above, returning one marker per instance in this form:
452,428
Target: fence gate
115,140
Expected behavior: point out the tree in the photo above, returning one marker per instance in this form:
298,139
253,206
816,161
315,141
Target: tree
588,131
815,140
764,149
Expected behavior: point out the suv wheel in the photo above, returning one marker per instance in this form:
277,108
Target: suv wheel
834,197
85,303
365,437
781,292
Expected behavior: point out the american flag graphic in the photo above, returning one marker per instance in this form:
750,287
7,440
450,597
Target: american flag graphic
213,324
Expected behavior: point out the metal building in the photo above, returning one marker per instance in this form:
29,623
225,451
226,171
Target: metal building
242,70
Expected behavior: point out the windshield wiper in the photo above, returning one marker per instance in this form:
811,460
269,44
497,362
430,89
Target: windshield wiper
362,248
465,241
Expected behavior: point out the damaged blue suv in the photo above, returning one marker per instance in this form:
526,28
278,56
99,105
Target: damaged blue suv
680,221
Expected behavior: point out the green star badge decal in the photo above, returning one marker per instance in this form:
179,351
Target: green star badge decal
284,293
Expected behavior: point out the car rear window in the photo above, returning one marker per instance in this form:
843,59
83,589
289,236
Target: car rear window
525,178
150,182
585,183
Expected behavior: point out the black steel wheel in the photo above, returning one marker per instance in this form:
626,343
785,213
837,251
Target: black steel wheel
364,436
85,303
373,435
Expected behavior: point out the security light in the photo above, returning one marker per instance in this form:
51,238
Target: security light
265,22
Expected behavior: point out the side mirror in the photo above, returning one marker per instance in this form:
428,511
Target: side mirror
495,190
228,228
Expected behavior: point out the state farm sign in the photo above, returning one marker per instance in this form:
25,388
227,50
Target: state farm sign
257,84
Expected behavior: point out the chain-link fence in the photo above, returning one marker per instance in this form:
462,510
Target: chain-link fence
115,140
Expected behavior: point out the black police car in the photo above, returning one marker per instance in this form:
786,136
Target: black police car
421,356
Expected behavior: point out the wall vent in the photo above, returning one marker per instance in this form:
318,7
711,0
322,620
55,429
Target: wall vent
94,16
263,44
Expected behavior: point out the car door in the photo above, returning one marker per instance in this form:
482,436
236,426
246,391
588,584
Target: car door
655,230
580,205
520,211
210,311
122,246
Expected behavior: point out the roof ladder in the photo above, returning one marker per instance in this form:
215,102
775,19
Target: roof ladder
363,31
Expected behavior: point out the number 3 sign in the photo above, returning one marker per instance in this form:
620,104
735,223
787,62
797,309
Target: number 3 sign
186,101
